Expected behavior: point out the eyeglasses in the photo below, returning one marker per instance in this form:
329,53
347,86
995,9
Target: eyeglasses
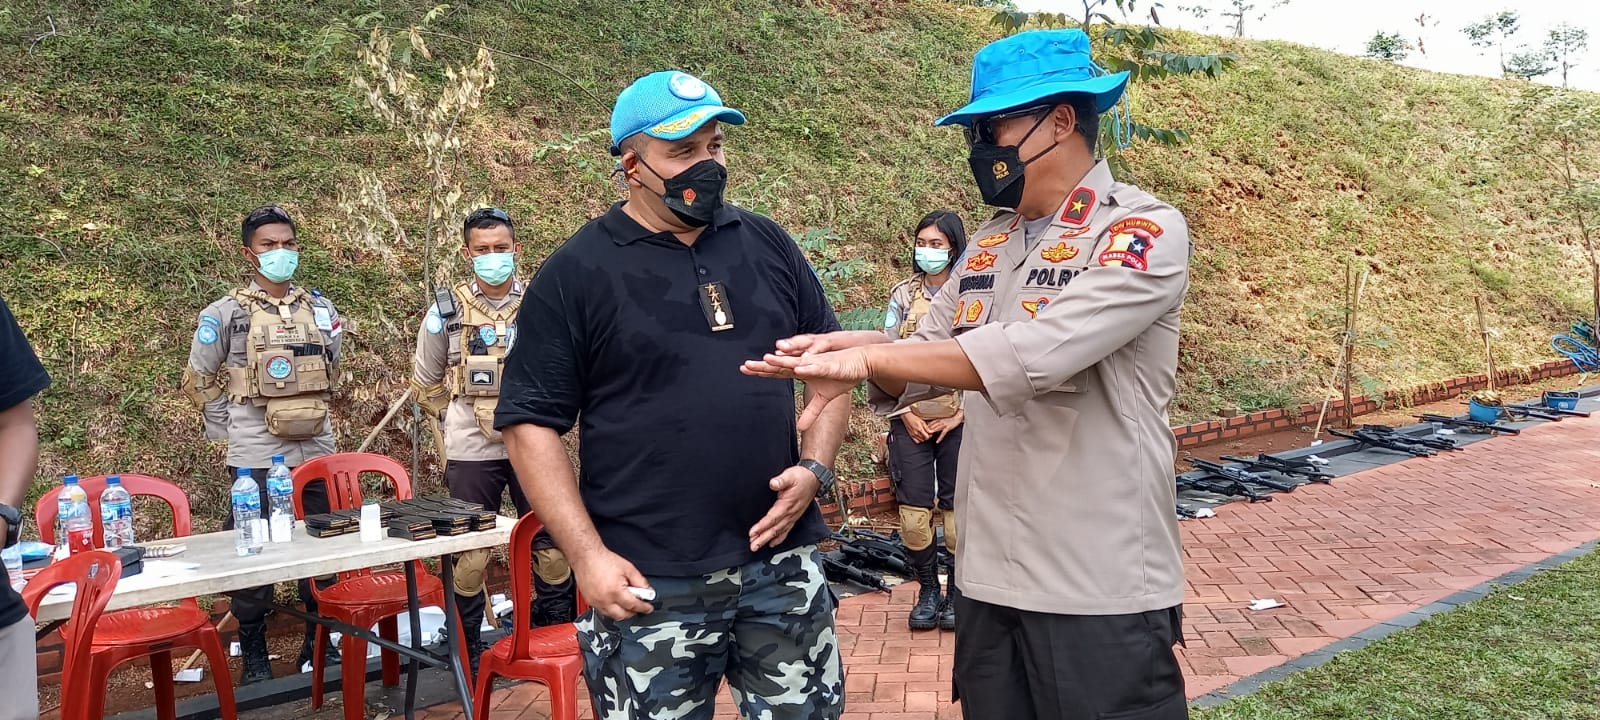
268,212
487,214
982,129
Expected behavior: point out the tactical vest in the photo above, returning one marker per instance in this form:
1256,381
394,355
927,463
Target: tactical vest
477,356
945,405
287,367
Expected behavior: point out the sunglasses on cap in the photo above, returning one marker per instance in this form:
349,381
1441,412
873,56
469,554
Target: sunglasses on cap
488,213
982,129
268,212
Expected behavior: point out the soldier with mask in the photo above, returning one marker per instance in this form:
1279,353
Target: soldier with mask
461,348
925,437
261,368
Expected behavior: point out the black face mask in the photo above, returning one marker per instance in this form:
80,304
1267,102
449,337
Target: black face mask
695,194
999,169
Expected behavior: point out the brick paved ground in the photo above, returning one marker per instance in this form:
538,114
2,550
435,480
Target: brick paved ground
1368,548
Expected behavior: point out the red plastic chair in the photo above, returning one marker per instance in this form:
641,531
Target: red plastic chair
95,573
152,632
361,597
546,654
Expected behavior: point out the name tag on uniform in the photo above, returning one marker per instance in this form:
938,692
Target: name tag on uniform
714,302
324,318
286,335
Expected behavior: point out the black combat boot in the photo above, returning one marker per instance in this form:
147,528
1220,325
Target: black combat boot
253,649
925,614
947,614
330,651
471,609
554,604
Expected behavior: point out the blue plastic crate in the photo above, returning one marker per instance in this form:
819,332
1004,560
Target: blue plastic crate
1560,400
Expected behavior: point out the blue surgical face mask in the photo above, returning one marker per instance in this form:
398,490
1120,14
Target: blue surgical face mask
494,268
278,265
932,260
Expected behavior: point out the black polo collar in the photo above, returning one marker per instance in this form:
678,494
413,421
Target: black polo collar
624,230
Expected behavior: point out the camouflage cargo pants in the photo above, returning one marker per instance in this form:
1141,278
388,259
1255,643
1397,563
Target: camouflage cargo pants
767,626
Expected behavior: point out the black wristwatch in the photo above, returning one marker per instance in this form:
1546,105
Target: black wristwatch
824,476
13,520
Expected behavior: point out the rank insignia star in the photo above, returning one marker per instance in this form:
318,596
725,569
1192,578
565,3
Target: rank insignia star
1079,203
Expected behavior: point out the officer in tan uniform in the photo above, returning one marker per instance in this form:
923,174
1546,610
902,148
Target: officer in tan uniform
261,368
1061,323
925,438
456,378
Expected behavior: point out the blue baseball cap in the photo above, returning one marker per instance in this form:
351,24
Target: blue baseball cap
669,105
1015,71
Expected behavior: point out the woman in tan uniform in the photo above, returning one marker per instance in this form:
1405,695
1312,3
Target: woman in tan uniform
925,437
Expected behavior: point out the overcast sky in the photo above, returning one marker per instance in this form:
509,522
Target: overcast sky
1346,25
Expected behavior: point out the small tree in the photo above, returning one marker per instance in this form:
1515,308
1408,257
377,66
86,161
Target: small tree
1565,44
1389,47
1562,125
1528,64
1494,31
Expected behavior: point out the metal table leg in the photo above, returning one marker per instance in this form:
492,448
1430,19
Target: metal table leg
416,641
453,621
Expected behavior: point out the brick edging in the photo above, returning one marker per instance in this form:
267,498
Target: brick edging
1267,421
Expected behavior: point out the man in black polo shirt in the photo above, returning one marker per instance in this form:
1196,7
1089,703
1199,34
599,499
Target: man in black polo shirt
21,377
694,495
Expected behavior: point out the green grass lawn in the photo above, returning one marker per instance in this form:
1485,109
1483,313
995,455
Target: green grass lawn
1530,650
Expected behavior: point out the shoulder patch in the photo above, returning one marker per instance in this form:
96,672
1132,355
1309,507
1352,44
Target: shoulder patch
891,318
205,334
433,322
211,320
1122,226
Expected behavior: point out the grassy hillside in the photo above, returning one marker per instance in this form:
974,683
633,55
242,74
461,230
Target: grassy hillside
133,138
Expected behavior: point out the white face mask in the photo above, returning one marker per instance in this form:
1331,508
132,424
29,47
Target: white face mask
932,260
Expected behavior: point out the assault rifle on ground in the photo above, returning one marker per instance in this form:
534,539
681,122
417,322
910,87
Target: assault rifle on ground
869,550
1548,412
840,571
1541,413
1240,475
1283,466
1473,426
1437,443
1222,486
1387,442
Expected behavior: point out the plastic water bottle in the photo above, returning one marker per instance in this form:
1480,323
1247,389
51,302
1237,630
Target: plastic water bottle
72,512
247,514
116,513
280,490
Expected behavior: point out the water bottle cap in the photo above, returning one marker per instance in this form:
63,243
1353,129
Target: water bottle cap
243,472
113,479
70,480
277,459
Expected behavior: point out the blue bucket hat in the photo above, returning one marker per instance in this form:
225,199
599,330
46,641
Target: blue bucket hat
1021,69
669,105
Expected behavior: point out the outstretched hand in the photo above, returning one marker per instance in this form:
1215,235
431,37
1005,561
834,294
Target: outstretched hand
828,375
